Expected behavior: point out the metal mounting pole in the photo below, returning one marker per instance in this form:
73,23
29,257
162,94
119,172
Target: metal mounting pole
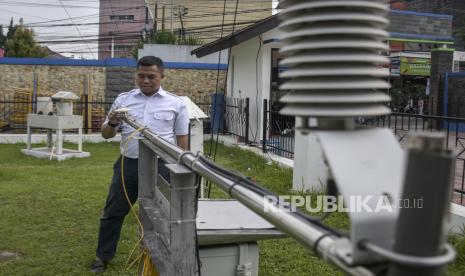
167,212
427,187
308,234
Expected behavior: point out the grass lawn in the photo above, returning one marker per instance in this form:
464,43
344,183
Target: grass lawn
50,213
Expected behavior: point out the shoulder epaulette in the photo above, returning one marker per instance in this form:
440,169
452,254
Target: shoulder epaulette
127,93
174,95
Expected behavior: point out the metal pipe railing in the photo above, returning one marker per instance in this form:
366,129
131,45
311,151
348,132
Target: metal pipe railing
290,223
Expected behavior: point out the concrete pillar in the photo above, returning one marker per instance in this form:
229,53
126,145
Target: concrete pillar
310,172
441,63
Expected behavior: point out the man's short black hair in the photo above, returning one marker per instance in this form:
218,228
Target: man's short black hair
149,61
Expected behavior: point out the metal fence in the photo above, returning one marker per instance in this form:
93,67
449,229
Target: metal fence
278,132
14,110
453,127
236,118
279,136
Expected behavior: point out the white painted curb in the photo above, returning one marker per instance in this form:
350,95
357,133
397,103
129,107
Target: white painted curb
42,138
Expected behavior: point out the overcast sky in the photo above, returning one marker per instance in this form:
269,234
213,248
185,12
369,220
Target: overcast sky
47,10
40,12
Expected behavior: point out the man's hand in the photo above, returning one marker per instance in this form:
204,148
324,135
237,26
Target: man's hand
109,131
114,118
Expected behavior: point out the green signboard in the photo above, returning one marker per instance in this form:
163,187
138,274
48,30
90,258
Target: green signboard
415,66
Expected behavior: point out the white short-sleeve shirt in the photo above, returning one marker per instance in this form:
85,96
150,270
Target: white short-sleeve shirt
163,113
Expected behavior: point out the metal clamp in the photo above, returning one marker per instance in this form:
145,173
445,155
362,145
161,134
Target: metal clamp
185,153
317,242
196,156
433,261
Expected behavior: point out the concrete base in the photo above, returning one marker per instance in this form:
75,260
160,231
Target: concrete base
47,153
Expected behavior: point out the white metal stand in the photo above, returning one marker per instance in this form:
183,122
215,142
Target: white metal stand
57,123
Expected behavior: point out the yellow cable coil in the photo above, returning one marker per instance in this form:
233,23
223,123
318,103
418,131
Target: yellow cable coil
147,268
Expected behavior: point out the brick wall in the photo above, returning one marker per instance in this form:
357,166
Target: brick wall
196,84
51,79
108,78
419,24
105,80
451,7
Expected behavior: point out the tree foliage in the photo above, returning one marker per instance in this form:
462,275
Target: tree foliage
11,29
20,42
190,40
162,37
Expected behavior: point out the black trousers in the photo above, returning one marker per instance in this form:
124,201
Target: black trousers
117,206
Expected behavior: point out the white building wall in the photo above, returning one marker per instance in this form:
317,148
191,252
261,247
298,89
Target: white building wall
265,81
250,76
243,81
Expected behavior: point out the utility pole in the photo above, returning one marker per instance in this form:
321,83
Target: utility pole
155,18
171,19
182,25
163,18
112,46
146,19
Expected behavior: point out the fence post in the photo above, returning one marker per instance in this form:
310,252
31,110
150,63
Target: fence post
86,113
247,119
265,123
35,91
457,125
218,109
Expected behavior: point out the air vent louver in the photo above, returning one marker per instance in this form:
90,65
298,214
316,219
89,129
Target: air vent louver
334,58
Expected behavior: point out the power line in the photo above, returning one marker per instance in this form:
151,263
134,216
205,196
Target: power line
74,25
41,5
211,30
10,11
78,18
203,10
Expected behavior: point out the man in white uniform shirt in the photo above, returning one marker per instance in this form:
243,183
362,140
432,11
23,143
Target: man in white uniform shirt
163,113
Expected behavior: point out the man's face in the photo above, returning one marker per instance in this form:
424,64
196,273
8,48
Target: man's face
148,79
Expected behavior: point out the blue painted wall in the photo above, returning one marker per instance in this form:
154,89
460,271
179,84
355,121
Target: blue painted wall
111,62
